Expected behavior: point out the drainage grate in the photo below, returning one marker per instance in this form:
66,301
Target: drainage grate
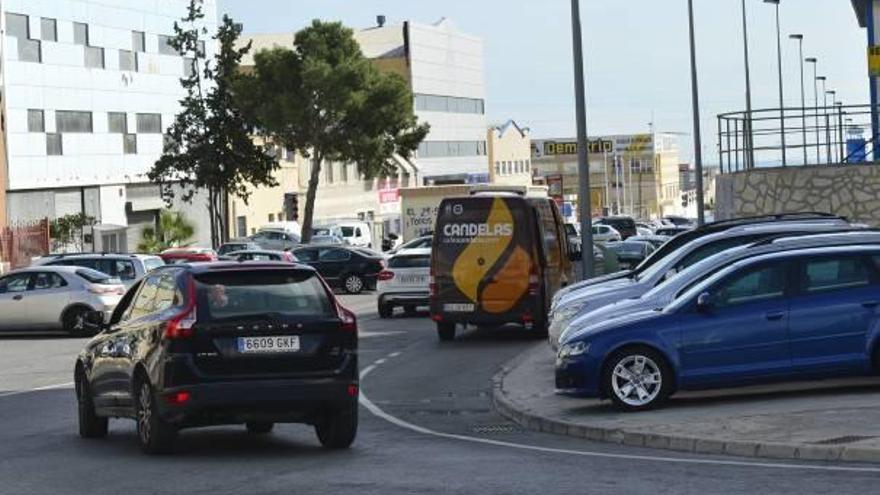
844,439
496,429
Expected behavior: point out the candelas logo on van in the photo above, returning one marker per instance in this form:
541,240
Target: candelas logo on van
477,229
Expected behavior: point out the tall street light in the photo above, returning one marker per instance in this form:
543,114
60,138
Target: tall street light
815,62
781,93
823,79
750,143
830,126
800,39
585,203
695,96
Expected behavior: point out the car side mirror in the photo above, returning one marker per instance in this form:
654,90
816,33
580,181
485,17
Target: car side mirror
95,320
704,302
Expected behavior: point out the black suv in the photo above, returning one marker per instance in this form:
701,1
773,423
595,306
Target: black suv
223,343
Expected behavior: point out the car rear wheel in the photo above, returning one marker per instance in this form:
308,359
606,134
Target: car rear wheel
155,435
353,284
637,379
446,331
409,310
74,322
385,310
339,429
90,424
259,427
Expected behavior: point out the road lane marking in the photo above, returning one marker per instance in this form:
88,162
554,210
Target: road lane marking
366,335
38,389
394,354
380,413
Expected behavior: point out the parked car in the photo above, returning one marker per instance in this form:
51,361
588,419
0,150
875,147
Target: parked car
404,282
672,231
328,240
129,268
351,269
679,221
236,245
655,240
605,233
56,298
417,243
292,228
356,233
810,313
643,229
188,255
630,253
275,239
578,302
262,255
626,226
227,343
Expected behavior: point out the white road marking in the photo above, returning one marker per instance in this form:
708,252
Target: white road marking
378,412
394,354
366,335
38,389
379,361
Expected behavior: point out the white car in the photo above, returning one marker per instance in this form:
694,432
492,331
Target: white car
404,282
605,233
129,268
56,297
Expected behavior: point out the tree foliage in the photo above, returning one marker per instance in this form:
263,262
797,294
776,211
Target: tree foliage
173,230
67,230
209,147
326,101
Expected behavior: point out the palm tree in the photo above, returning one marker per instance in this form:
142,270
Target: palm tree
173,230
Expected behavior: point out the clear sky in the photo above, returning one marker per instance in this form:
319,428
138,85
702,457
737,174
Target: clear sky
636,55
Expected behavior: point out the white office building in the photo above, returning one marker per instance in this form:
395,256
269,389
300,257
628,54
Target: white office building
88,89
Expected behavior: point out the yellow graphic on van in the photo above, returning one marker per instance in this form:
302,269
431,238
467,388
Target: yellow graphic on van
509,284
484,250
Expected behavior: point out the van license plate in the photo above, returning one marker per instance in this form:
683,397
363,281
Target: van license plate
458,308
266,345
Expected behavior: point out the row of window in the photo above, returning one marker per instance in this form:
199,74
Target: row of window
512,167
450,104
30,49
81,122
335,172
440,149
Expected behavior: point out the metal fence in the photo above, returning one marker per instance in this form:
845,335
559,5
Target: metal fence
20,243
776,137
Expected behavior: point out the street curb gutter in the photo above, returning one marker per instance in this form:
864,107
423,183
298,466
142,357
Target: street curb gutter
521,415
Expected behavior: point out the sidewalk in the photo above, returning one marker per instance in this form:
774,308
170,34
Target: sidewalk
825,420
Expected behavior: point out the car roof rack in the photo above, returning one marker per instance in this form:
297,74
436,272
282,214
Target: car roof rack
807,215
770,240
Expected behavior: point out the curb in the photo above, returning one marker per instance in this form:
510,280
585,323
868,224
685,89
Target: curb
521,415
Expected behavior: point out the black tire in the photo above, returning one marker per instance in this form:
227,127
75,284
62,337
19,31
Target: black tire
446,331
259,427
385,311
409,309
155,435
90,424
353,283
74,322
654,368
339,429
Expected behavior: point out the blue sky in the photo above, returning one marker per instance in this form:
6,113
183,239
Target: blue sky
636,54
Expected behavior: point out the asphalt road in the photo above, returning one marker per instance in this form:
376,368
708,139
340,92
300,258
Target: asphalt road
427,426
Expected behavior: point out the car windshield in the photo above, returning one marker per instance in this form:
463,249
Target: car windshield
238,294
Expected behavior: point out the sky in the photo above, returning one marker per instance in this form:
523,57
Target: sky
636,55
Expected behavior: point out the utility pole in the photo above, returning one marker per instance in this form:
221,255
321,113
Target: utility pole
781,93
750,138
584,198
698,145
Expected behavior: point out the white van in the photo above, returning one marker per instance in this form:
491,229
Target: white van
288,227
356,233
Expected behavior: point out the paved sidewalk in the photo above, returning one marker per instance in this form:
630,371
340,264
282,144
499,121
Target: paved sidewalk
825,420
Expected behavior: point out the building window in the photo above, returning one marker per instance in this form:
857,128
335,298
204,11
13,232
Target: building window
29,50
48,29
165,47
149,123
128,60
241,227
117,123
189,67
201,53
130,144
449,104
17,26
81,33
328,171
72,121
35,121
53,145
439,149
138,41
343,176
94,57
271,217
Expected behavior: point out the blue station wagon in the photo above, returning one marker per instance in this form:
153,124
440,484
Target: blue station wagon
810,313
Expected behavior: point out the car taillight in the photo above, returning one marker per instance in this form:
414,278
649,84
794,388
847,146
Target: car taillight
432,284
534,280
348,320
386,275
180,326
106,290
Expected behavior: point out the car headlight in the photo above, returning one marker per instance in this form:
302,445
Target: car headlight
574,349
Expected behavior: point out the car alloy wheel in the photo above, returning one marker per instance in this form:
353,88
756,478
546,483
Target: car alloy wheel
75,322
145,414
636,380
354,284
155,435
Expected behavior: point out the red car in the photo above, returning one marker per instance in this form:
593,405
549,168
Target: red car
187,255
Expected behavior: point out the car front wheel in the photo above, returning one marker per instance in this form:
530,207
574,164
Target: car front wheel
90,424
385,311
353,284
637,379
155,435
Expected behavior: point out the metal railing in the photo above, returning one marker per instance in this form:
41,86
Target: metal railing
821,135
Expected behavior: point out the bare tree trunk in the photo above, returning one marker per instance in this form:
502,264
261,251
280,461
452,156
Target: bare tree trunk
314,179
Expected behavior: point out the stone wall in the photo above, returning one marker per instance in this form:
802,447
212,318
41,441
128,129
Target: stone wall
852,191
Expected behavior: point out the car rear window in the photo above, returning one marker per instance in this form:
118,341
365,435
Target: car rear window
231,295
410,261
96,277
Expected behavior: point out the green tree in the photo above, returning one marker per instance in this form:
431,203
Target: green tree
172,230
208,147
68,230
326,101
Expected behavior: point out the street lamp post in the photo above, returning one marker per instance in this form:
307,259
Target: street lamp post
750,143
695,96
831,130
815,62
781,93
840,142
823,80
584,198
800,39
